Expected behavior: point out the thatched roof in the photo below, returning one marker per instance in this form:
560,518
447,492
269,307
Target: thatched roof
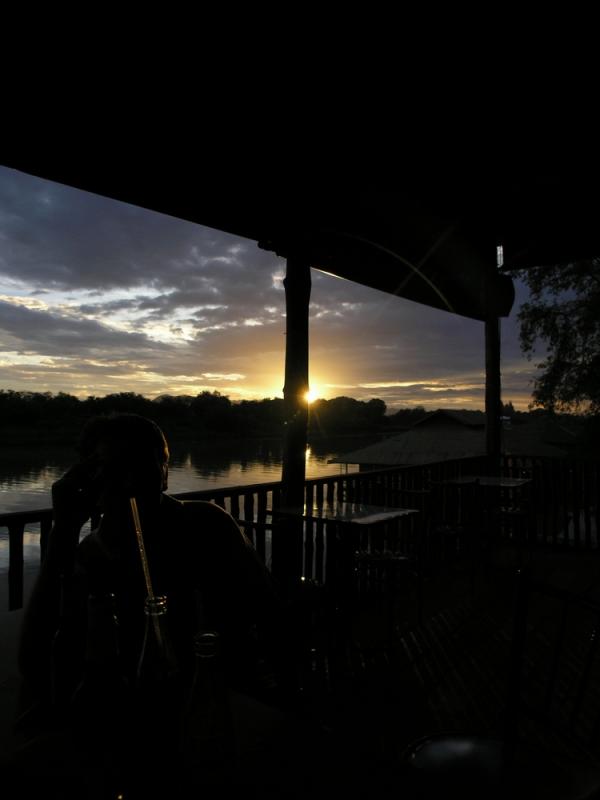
445,416
444,436
419,445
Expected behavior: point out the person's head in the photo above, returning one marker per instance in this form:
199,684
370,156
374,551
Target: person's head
131,453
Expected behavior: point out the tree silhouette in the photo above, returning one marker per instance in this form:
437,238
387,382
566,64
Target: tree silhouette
563,315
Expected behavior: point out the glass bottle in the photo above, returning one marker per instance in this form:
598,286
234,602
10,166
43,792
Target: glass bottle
157,704
100,701
208,741
157,678
157,662
100,708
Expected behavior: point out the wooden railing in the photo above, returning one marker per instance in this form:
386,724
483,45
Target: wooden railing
16,522
563,500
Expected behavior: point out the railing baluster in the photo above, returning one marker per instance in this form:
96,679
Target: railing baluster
234,504
261,507
249,509
330,492
276,496
261,519
15,565
219,498
319,493
310,495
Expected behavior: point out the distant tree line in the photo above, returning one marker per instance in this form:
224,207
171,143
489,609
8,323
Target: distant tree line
50,416
43,416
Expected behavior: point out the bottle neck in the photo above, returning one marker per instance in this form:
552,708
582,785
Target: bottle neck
157,659
155,606
207,645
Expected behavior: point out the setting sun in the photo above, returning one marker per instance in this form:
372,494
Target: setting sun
311,396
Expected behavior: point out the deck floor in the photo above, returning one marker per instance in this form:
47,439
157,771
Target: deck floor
448,673
388,686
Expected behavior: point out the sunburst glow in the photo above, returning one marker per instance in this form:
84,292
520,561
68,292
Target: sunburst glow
311,396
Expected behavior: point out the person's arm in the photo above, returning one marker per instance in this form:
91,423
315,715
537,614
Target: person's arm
72,505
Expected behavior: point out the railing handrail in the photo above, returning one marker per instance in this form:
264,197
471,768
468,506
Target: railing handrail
564,500
33,515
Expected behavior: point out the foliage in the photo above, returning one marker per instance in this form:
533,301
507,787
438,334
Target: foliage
407,417
563,314
344,415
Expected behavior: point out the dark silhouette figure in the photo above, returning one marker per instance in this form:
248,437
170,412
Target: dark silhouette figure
84,730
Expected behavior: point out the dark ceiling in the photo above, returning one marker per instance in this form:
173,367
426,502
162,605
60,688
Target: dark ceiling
422,229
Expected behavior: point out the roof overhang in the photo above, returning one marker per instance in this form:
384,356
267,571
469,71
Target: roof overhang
426,234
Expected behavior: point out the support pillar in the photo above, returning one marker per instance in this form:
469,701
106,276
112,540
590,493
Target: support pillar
288,533
297,285
493,397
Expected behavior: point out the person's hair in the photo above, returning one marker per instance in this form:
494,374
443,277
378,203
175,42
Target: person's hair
130,430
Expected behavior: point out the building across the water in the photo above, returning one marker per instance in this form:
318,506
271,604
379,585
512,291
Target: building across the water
446,435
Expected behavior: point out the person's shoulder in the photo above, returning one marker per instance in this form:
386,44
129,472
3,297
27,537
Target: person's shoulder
206,524
200,511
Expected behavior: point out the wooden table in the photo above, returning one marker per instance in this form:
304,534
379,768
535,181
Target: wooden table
335,535
345,512
356,549
491,481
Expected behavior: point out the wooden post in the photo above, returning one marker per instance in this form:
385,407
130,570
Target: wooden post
297,285
493,401
288,535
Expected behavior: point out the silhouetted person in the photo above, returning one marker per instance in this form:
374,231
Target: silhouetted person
198,558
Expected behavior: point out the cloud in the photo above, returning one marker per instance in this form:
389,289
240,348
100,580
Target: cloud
49,333
56,237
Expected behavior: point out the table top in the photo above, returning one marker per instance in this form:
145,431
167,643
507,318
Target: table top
496,481
355,513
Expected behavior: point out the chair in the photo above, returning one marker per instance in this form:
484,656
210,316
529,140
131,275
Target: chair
388,559
548,744
511,521
456,517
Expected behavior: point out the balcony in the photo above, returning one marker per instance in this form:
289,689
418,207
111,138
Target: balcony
393,673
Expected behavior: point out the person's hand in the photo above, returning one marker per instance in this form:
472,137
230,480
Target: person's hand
99,560
75,495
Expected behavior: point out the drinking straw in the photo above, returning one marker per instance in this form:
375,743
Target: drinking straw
141,547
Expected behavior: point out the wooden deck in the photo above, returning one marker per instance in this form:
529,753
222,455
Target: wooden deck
380,688
448,673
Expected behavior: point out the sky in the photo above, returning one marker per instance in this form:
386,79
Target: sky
98,296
